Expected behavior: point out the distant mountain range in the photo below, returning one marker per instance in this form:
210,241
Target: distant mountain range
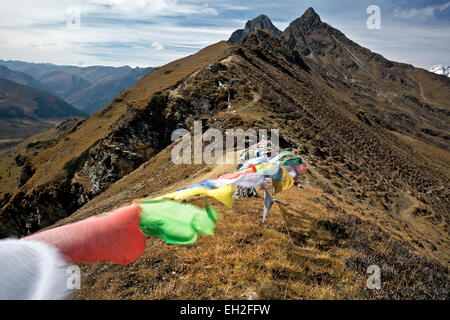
441,69
23,78
25,111
87,88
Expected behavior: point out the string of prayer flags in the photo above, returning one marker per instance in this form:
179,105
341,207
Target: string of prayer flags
254,161
277,176
279,156
267,169
302,167
206,184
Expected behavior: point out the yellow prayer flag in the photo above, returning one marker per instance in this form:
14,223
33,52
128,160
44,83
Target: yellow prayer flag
285,182
223,194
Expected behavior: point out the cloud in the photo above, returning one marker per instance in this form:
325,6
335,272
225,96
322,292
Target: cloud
155,32
42,44
420,14
113,32
151,7
233,7
417,44
157,46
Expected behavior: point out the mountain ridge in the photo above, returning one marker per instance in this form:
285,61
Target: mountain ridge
23,78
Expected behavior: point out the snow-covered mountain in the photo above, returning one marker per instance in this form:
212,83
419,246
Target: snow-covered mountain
440,69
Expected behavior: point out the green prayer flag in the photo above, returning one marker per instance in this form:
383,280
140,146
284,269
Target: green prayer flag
175,222
294,162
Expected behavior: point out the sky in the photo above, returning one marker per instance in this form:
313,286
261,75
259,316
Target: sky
155,32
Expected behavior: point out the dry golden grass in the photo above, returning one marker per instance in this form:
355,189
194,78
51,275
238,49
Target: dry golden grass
317,245
437,158
433,92
245,256
312,246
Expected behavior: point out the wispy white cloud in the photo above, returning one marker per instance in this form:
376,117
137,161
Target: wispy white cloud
42,44
150,8
421,14
29,12
234,7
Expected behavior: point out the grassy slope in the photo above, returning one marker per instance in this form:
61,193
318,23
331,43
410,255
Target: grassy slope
273,252
32,146
9,170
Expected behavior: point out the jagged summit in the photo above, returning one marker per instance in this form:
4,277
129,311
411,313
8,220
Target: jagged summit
261,22
298,29
309,18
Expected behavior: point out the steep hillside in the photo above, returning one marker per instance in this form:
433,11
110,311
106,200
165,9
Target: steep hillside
376,193
398,96
25,111
15,168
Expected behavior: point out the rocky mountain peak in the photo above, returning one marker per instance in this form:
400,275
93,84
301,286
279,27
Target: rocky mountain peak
262,22
310,18
306,23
